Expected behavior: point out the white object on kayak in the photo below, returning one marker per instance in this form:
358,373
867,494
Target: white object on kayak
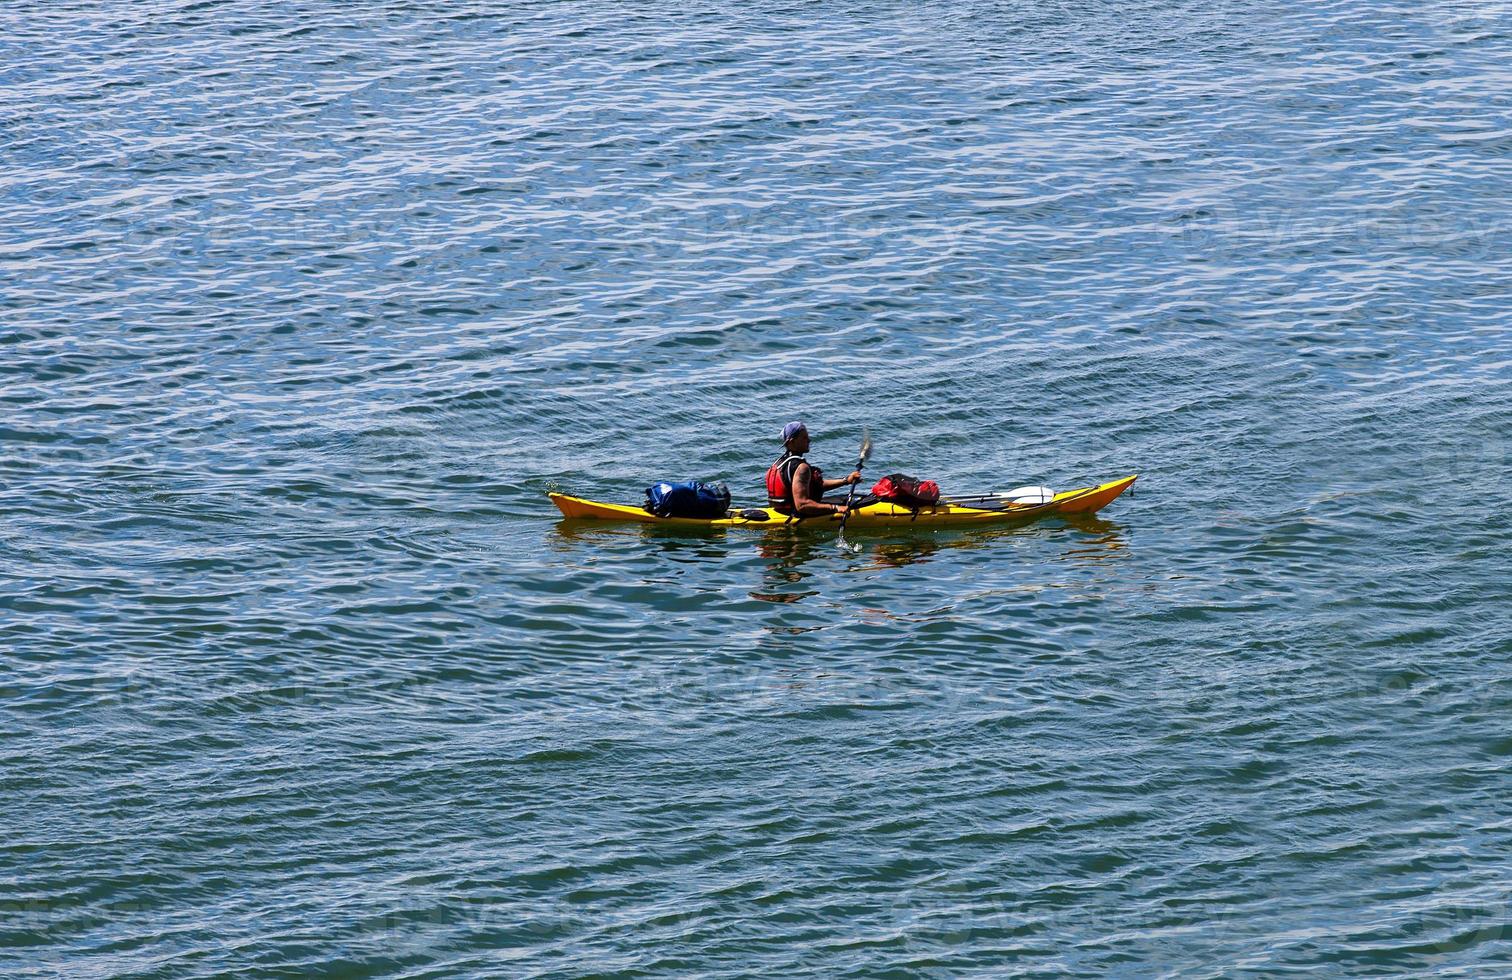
1029,496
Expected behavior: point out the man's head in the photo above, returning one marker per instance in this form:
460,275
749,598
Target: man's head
795,437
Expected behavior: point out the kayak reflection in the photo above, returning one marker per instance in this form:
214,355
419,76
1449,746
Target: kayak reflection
789,556
673,542
786,556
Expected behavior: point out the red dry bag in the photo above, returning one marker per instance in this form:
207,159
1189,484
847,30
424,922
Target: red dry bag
907,491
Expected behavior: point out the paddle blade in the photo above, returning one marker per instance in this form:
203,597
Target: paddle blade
865,445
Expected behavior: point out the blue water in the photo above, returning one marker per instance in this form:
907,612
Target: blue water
304,307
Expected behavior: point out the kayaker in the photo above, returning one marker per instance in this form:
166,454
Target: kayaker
794,487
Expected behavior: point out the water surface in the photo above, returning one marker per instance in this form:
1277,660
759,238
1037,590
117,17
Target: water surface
304,310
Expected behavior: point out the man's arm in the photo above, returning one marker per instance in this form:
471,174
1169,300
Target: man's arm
806,506
855,477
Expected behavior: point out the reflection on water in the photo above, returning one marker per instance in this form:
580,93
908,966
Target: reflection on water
658,537
790,559
1104,543
896,554
786,555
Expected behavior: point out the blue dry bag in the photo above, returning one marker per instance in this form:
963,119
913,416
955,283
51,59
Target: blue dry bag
688,499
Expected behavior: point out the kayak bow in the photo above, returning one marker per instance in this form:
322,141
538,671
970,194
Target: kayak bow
1086,500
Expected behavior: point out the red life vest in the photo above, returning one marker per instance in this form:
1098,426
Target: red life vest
779,481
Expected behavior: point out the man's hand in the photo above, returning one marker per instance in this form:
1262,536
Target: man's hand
855,477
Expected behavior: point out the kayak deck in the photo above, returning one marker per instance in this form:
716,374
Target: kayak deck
1084,500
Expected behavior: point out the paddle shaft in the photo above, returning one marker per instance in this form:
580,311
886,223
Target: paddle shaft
989,500
985,501
850,497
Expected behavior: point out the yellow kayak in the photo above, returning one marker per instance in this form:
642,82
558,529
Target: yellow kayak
1086,500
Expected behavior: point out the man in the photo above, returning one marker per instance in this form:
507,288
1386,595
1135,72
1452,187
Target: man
793,486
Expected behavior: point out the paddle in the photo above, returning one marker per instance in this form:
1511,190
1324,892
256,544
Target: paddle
1025,497
866,448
